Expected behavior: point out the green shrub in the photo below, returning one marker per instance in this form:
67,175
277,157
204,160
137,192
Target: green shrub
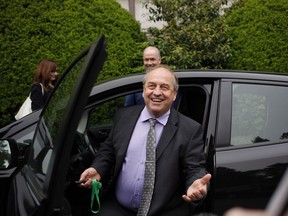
194,35
33,30
260,36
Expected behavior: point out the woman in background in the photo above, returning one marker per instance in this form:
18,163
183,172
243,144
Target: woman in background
44,81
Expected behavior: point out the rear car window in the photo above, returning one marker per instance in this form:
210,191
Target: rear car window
259,114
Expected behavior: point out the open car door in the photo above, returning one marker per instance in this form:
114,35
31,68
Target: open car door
38,188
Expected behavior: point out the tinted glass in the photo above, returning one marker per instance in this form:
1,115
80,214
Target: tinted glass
103,113
259,114
193,102
40,157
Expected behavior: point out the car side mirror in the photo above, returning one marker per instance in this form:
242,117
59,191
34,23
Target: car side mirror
8,154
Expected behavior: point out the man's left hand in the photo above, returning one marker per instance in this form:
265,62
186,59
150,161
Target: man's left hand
198,189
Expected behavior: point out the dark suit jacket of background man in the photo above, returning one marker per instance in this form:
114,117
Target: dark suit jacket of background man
181,143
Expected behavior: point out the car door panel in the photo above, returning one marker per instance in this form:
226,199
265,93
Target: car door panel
246,160
48,161
246,176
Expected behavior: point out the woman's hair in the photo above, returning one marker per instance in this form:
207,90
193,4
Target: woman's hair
43,72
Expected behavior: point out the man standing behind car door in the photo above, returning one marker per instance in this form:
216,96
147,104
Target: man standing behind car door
180,177
151,58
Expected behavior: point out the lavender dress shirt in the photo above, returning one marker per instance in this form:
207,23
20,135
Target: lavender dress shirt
131,178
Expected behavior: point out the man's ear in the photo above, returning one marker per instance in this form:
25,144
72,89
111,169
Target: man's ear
175,96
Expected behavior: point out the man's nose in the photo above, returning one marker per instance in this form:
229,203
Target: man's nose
150,62
157,91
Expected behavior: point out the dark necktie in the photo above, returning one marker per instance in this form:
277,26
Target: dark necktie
149,175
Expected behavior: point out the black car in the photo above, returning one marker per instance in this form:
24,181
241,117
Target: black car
243,115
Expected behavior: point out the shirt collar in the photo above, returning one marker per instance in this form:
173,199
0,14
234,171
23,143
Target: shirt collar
145,115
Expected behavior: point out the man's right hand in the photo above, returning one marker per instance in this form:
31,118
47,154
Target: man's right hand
87,176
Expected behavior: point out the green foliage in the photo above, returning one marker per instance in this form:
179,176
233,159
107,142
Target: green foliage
194,35
104,113
32,30
260,37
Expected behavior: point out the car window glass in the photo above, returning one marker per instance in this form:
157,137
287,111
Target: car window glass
45,135
104,112
101,119
24,135
26,138
193,102
259,114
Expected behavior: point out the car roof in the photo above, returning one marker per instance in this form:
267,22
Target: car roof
223,74
135,79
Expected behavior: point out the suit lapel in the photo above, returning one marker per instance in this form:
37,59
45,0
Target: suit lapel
168,133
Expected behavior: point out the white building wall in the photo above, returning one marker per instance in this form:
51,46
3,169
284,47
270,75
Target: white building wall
124,3
140,13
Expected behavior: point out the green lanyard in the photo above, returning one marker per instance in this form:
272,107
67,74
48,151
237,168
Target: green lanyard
96,185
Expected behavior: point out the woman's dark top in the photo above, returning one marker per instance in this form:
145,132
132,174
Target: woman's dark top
37,97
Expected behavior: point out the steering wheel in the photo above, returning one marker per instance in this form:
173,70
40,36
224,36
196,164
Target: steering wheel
88,143
82,153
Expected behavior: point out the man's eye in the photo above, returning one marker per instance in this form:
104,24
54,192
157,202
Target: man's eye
165,88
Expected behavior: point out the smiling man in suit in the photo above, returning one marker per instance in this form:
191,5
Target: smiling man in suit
180,180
